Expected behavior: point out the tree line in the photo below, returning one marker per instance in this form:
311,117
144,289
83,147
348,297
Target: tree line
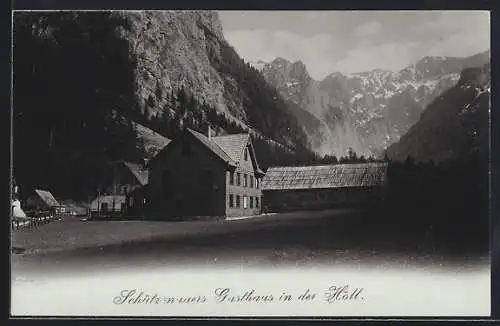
448,200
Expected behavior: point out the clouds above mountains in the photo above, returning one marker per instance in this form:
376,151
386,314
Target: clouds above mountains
329,41
371,28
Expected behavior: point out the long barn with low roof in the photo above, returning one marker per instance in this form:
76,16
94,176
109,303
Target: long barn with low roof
325,186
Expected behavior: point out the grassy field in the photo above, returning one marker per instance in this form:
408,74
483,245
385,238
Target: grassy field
73,233
308,239
314,231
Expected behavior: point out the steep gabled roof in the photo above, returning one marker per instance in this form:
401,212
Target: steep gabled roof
211,145
47,198
325,176
254,158
232,145
138,171
228,148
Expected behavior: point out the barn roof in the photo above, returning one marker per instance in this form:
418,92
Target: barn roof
47,198
138,171
325,176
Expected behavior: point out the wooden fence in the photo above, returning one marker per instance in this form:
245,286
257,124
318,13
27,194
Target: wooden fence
35,219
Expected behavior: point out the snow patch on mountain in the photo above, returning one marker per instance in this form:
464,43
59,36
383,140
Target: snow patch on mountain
259,65
368,110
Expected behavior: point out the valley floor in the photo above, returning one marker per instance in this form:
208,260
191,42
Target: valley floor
295,238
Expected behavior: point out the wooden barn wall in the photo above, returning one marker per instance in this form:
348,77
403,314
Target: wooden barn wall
186,195
286,200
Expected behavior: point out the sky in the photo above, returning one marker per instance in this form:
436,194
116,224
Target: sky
355,41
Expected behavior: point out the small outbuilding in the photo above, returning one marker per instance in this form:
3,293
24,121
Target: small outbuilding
44,201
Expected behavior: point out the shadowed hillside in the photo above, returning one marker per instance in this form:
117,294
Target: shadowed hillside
84,79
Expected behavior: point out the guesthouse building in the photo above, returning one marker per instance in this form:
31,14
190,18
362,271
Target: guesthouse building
199,175
326,186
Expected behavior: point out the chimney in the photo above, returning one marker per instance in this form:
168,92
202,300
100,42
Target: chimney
144,163
209,132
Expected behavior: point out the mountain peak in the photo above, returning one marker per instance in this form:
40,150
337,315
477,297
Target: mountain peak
259,64
299,70
280,61
334,75
299,63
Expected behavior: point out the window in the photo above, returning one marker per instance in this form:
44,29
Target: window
231,202
251,202
251,181
186,149
256,182
245,202
245,180
238,180
246,155
256,202
238,201
231,178
124,190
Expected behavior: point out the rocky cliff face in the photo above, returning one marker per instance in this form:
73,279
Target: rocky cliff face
366,111
187,49
332,131
171,49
